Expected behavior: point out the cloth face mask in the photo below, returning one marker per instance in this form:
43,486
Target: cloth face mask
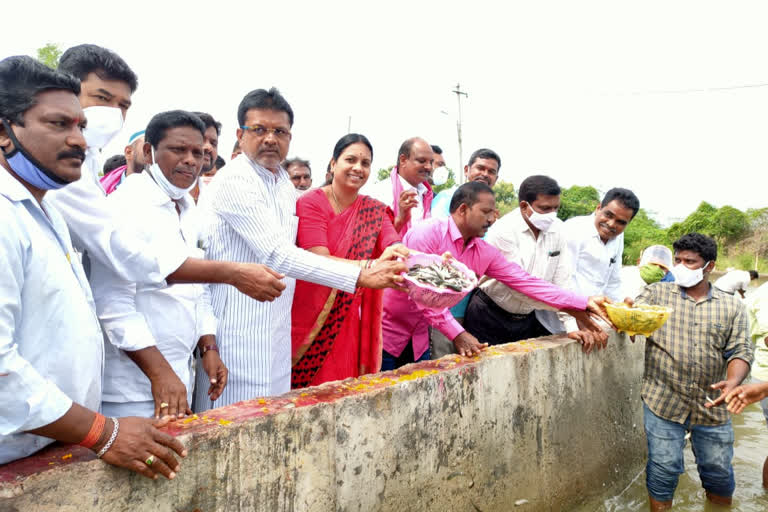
28,168
440,176
166,186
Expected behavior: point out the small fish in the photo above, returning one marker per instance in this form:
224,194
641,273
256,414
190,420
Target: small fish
440,275
709,399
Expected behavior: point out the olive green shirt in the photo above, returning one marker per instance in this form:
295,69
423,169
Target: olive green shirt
691,351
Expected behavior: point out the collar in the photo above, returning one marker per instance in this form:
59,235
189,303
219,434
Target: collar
264,173
712,292
523,226
421,189
452,230
155,195
12,188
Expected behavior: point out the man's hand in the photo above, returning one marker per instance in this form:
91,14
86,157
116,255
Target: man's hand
170,395
217,373
405,203
393,252
741,396
385,274
596,304
468,345
725,387
258,281
136,441
589,339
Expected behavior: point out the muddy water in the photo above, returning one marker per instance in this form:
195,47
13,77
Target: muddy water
750,451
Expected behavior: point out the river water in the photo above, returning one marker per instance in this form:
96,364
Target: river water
750,451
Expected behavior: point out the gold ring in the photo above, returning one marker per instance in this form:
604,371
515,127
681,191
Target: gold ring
163,405
150,460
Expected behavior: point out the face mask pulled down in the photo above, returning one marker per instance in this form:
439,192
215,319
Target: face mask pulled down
687,277
165,185
28,168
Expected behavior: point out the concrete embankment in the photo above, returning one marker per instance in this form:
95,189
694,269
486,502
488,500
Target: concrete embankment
537,421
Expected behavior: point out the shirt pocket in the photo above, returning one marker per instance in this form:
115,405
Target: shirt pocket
717,334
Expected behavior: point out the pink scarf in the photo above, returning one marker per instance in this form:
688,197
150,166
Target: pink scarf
111,180
397,189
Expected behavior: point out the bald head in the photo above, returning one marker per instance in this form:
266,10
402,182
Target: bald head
414,160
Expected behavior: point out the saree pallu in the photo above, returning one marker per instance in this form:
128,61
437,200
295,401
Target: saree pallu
337,335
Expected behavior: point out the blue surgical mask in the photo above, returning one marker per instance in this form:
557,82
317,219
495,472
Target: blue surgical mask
28,168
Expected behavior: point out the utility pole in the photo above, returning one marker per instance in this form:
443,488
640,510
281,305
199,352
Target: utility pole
349,124
459,93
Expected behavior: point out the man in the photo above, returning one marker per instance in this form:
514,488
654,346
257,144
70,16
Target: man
529,236
484,165
235,150
407,190
152,329
757,390
254,219
736,281
439,161
134,162
654,266
473,211
107,84
210,150
595,247
113,163
51,347
702,348
300,173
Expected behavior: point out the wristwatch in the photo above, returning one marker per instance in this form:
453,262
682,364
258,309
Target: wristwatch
206,348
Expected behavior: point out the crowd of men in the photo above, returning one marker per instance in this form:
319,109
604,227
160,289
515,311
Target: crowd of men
181,284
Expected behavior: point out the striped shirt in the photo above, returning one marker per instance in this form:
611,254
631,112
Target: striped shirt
691,351
253,219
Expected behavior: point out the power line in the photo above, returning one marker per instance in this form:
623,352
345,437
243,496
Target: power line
702,89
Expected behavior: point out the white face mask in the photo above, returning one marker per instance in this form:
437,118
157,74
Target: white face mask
166,186
687,277
103,124
440,176
542,221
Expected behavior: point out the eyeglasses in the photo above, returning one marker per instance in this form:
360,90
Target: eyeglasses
263,131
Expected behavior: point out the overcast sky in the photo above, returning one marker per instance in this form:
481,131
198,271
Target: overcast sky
667,98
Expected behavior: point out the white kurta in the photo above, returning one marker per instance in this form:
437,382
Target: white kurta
140,315
253,219
94,231
51,348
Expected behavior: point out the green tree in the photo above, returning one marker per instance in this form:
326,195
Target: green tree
384,173
506,197
641,232
49,55
577,200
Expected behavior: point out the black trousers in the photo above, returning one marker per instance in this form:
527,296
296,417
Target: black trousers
491,324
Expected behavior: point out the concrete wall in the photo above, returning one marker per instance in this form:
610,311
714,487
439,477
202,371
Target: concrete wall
535,420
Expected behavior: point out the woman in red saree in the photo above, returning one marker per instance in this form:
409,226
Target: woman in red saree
337,335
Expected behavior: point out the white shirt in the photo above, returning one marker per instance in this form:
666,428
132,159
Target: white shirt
631,282
140,315
254,220
51,348
383,192
734,281
83,205
544,256
596,265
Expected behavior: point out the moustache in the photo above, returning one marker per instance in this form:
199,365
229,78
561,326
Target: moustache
73,153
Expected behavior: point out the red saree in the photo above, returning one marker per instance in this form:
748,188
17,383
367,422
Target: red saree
337,335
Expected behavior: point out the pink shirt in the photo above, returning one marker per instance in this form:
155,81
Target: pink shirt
403,320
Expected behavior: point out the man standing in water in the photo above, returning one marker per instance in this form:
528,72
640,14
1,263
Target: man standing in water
703,347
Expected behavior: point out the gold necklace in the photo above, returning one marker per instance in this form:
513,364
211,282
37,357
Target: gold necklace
333,195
